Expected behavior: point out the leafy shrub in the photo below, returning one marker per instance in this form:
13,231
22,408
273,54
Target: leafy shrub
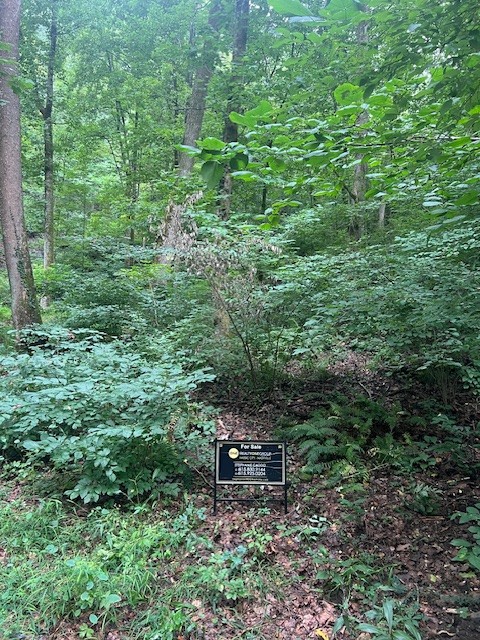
467,550
242,329
413,306
115,421
424,498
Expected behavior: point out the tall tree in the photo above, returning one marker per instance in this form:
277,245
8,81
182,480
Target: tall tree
46,109
359,187
25,310
196,104
230,131
38,47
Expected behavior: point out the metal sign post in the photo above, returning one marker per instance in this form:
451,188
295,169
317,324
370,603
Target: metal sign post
250,463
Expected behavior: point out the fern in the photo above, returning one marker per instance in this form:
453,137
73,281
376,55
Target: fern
336,441
320,441
325,445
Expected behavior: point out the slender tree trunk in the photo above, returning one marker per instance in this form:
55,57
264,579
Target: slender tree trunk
196,105
264,198
240,36
381,215
128,163
359,187
47,113
25,310
230,131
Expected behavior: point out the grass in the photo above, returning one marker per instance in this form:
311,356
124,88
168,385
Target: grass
109,567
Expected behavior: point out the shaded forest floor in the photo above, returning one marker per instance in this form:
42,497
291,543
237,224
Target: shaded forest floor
373,545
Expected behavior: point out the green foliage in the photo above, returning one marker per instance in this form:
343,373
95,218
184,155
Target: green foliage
388,618
357,574
89,568
340,433
225,577
240,328
392,620
469,551
412,305
322,442
424,499
101,412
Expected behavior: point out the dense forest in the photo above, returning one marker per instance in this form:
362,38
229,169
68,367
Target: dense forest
238,220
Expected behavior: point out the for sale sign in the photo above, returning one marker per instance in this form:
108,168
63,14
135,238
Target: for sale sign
253,462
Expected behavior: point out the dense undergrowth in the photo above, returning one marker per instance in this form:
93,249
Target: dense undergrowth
112,388
102,405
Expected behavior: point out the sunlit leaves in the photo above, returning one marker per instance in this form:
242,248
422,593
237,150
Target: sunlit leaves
289,7
251,117
211,144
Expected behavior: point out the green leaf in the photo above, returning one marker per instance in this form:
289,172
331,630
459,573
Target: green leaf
262,109
471,197
459,542
380,100
474,59
339,624
111,598
474,560
238,118
93,618
348,93
211,144
51,548
246,176
315,38
185,148
239,162
289,8
21,85
369,628
413,630
277,164
388,612
212,173
459,142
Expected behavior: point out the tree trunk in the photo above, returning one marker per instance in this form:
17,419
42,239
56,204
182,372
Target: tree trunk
194,117
359,187
381,215
230,131
25,310
46,111
196,105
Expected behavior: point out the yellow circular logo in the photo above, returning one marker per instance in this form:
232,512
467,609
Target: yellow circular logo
233,453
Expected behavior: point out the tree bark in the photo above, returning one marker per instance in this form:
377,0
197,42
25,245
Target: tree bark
230,131
359,187
196,105
25,310
382,209
47,114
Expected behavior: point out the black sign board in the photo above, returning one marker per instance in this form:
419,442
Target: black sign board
241,462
